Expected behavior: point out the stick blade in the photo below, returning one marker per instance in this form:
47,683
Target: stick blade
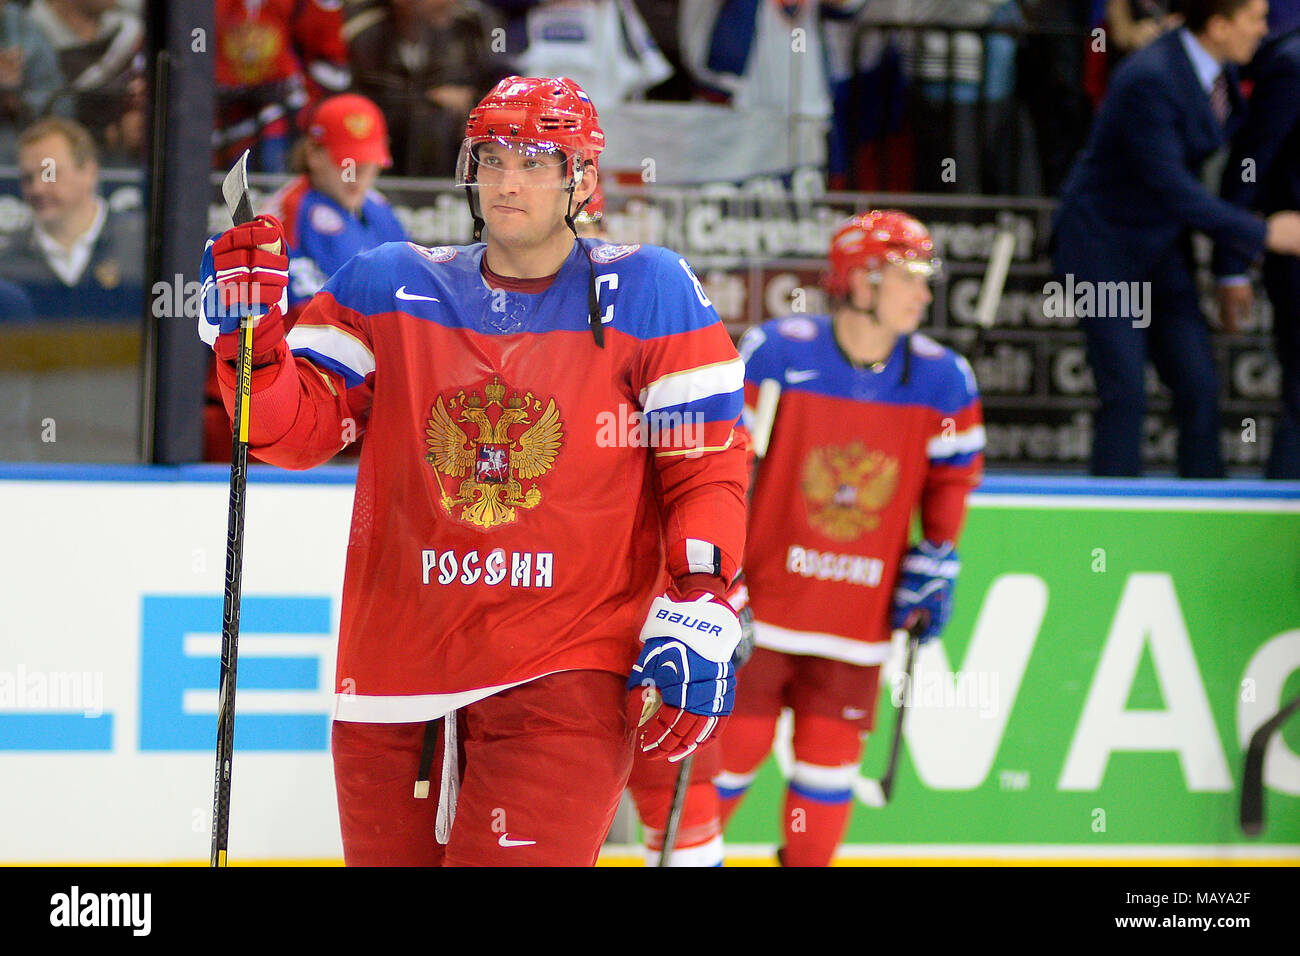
235,190
1252,773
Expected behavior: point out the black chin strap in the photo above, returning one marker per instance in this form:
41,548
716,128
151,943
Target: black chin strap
475,212
593,298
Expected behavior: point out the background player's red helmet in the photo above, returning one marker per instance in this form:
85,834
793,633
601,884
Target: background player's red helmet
545,113
869,240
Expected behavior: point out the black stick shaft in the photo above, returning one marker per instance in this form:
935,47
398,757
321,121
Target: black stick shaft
895,746
675,811
230,609
1252,787
913,641
234,580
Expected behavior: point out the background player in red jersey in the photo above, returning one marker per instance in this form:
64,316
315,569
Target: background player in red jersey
509,539
875,423
273,57
653,782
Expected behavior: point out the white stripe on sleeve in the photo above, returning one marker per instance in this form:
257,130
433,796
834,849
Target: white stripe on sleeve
703,557
680,388
333,343
963,443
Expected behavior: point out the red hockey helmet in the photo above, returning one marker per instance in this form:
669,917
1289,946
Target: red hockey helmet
537,116
869,240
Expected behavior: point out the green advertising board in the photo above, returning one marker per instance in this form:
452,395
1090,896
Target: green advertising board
1112,648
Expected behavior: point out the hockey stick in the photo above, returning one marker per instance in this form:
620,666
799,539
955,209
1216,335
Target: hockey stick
875,793
1252,775
769,396
235,191
675,811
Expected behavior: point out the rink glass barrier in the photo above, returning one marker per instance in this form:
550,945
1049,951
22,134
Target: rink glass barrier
72,392
1114,644
71,382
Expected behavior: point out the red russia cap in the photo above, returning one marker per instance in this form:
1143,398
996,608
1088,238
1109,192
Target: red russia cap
351,127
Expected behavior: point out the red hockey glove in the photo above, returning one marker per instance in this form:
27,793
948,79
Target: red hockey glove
247,273
252,268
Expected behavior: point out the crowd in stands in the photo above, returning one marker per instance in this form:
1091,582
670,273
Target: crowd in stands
81,59
900,84
1005,88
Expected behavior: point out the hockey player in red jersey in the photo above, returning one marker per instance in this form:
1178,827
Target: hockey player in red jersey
875,423
551,471
653,782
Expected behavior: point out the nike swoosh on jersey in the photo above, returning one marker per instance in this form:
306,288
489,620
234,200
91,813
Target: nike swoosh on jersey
412,297
794,376
506,841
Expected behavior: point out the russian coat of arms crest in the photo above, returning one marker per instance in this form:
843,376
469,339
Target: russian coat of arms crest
515,442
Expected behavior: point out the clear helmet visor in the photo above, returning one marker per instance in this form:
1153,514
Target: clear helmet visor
931,270
491,161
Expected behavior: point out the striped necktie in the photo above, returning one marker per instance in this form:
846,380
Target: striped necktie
1219,102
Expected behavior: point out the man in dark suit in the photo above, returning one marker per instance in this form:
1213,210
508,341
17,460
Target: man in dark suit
1127,212
1263,173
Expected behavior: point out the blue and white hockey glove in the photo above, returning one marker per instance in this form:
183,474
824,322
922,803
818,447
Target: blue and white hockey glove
683,686
925,584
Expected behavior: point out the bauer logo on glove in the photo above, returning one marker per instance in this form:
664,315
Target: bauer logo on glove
684,684
685,620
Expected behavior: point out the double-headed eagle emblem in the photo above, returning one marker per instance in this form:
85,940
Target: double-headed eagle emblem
844,488
495,463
